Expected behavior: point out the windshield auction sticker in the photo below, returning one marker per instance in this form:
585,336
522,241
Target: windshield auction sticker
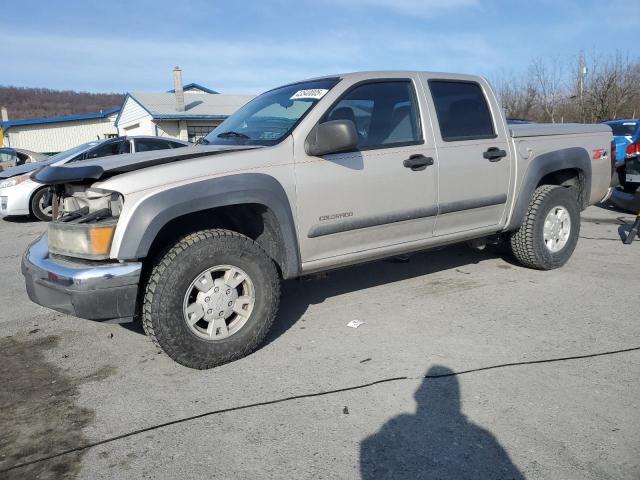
310,93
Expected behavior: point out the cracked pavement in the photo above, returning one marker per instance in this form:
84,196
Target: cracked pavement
69,383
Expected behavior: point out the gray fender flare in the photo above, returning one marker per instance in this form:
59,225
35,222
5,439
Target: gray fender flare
156,211
574,157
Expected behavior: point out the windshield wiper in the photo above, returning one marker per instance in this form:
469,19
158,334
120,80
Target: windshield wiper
231,134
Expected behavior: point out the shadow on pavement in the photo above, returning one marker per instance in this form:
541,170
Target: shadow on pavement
437,442
297,295
20,219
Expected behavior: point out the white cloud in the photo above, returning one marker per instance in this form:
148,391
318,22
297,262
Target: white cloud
422,8
112,64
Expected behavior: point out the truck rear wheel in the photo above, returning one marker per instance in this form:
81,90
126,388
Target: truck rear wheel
211,299
549,234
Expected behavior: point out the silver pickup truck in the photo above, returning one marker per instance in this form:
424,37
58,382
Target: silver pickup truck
307,177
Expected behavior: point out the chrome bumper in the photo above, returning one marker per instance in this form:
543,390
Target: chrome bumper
83,289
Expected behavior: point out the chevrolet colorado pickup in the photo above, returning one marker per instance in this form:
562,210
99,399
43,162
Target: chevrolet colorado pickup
306,177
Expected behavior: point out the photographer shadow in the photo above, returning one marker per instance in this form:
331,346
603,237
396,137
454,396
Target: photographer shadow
437,442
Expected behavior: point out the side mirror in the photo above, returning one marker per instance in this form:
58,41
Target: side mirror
332,137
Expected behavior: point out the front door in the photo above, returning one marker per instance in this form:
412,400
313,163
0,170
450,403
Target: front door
382,194
473,155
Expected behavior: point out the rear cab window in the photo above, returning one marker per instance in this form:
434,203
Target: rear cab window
462,110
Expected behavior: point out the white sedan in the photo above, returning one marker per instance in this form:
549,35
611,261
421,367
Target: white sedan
19,195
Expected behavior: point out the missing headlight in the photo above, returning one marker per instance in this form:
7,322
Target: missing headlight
91,200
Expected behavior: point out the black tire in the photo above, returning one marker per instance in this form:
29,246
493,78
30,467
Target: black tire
162,308
36,209
527,243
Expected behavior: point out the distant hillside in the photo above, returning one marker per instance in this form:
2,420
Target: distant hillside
25,103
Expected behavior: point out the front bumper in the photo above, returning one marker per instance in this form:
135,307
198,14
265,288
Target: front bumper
89,290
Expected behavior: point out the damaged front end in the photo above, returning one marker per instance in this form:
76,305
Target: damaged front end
84,222
84,218
69,268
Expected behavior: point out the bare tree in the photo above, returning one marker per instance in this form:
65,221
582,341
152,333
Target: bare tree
517,96
612,88
548,78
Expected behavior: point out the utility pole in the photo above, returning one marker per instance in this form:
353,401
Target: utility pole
581,76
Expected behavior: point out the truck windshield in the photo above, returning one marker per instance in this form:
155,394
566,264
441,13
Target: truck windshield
270,117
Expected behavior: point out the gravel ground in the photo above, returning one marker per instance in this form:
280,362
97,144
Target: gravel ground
320,400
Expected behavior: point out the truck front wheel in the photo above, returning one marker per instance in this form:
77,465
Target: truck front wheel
211,298
549,234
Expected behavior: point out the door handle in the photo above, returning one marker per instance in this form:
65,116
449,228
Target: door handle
417,162
494,154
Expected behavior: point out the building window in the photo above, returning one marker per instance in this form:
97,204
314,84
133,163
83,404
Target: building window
196,132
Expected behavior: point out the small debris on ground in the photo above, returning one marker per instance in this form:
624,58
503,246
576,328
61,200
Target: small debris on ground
110,335
365,360
354,323
345,410
35,330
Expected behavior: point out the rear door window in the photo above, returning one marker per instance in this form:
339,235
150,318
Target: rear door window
149,144
462,110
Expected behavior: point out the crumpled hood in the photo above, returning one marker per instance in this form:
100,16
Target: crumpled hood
105,167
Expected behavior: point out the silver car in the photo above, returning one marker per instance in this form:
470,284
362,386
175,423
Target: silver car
19,195
12,157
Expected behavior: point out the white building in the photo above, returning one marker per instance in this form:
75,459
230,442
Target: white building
56,134
189,114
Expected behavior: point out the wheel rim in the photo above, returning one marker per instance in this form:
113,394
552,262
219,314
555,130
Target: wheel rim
557,228
46,209
219,302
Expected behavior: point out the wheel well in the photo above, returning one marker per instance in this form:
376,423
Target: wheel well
570,177
254,220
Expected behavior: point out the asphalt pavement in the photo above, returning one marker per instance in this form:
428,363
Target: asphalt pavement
405,395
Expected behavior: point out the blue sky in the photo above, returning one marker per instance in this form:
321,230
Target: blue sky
248,46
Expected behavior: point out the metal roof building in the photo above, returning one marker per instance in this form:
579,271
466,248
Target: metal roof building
187,113
56,134
156,114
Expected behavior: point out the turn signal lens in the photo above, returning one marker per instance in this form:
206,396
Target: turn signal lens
101,239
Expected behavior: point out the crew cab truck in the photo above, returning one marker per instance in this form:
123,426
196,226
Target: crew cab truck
307,177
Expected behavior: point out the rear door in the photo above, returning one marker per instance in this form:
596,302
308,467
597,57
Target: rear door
473,156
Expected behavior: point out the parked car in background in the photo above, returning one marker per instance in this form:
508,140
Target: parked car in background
19,195
625,132
11,157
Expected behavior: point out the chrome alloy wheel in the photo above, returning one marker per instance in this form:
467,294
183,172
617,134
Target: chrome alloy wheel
219,302
557,227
